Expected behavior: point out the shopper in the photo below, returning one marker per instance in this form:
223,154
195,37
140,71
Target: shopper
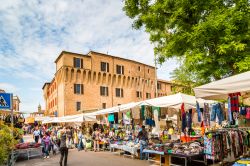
63,147
47,142
76,140
143,139
96,139
80,143
36,135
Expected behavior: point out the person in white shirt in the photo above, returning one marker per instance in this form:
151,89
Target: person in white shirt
36,135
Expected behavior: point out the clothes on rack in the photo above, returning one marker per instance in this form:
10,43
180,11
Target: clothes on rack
226,144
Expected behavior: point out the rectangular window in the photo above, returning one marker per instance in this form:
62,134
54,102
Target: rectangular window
119,69
104,91
148,95
119,92
104,66
103,105
138,94
78,62
78,88
139,68
78,106
158,86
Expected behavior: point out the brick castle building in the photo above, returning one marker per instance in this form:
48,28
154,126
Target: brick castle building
90,82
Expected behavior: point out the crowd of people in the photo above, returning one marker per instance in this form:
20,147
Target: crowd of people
60,139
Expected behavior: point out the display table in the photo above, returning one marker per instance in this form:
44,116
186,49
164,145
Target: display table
30,152
132,150
191,157
154,152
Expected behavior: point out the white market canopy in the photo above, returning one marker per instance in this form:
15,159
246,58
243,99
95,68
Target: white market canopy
174,101
119,108
220,89
41,118
70,119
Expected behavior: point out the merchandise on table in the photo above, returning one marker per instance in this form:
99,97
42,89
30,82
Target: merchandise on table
190,148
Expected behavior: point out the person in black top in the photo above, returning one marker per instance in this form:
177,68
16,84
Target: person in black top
143,138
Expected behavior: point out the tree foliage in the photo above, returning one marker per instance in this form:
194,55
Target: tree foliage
6,142
210,37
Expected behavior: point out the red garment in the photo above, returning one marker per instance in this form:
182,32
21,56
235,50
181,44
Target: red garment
248,113
234,101
182,109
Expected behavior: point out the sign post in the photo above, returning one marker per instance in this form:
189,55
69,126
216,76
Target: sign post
6,100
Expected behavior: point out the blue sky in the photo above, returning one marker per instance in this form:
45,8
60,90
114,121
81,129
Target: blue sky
34,32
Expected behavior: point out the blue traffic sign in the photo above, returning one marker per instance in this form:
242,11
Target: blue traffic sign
5,101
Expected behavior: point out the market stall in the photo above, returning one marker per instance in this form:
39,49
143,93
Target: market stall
228,142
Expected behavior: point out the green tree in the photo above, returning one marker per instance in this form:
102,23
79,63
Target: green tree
6,143
210,37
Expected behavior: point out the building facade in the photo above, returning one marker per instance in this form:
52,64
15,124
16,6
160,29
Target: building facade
90,82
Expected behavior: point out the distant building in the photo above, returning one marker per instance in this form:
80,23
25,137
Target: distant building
38,113
94,81
16,103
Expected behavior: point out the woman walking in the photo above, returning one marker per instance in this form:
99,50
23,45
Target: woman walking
63,147
96,138
46,140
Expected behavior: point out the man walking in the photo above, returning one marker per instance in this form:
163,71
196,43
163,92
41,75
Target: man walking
36,135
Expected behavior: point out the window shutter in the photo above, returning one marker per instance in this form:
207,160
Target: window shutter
107,67
74,62
122,69
102,68
74,88
116,92
81,63
107,90
121,92
117,69
81,88
101,90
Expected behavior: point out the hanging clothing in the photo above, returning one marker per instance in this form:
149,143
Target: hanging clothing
142,112
136,113
217,111
206,115
189,119
234,101
230,117
183,118
111,117
198,111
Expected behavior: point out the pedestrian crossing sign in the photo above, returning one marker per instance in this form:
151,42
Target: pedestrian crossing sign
5,101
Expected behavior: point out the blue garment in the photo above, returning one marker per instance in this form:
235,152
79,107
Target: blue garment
217,111
111,117
230,118
198,111
184,122
189,119
243,110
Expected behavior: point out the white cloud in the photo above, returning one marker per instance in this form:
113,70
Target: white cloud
33,33
8,88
